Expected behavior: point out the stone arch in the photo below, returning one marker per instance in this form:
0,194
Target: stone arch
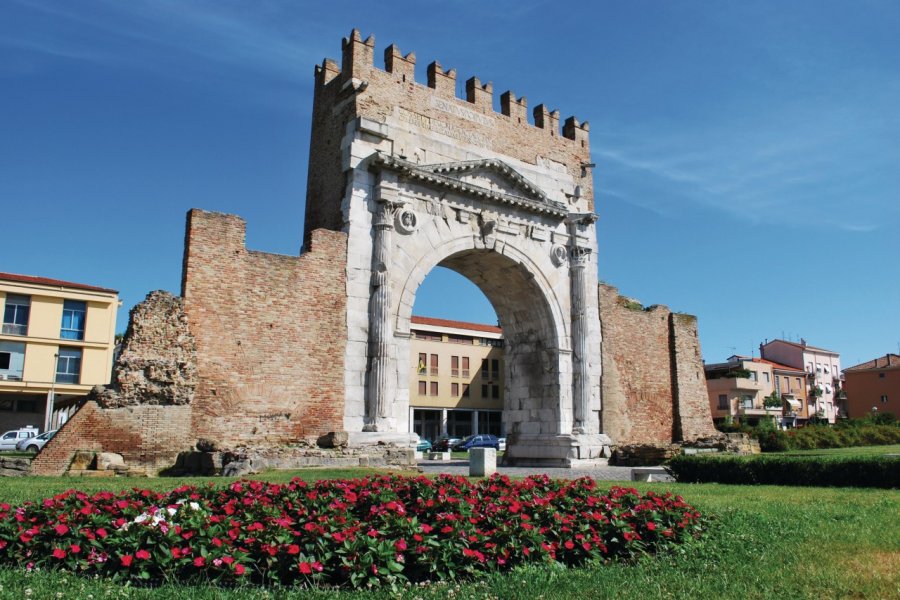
537,351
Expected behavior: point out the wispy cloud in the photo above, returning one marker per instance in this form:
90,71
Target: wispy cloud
254,36
826,165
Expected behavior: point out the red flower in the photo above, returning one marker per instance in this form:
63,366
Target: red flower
75,548
61,529
142,555
239,569
199,562
400,545
59,553
305,568
569,544
126,560
176,552
293,549
651,526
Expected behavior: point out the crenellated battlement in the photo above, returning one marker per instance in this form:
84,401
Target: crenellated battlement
357,62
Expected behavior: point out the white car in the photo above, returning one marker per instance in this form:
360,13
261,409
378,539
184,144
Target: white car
35,443
9,439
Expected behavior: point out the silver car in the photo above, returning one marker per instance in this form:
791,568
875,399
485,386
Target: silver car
35,443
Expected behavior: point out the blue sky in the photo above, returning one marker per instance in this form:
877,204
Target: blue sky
748,152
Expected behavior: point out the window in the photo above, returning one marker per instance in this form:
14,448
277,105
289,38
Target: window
434,388
753,376
495,367
15,315
723,402
492,342
881,376
424,335
454,366
798,383
825,368
484,391
827,389
12,360
423,388
485,369
454,390
434,364
495,391
465,366
459,339
818,367
423,362
746,401
809,367
778,384
884,399
766,376
68,365
465,393
72,327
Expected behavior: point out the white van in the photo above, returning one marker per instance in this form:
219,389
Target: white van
9,439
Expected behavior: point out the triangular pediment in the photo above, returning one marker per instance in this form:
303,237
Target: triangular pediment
484,178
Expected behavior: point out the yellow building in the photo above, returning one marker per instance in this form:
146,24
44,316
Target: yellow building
57,342
457,378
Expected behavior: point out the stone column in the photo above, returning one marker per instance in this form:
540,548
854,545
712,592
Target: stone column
581,375
379,397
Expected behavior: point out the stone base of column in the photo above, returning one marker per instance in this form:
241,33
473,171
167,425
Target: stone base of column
372,438
561,451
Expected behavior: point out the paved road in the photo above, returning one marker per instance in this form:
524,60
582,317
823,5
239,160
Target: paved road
461,467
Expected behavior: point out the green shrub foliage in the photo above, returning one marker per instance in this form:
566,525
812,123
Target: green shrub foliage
365,532
878,472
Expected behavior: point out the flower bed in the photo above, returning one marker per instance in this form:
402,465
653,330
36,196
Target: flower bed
371,531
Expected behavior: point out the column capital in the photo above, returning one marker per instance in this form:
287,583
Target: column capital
580,256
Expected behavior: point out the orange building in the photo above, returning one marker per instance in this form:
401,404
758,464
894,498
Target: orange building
873,386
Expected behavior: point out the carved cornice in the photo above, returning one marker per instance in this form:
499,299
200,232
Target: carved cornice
532,199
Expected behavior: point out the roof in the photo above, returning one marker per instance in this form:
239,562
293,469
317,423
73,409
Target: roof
779,366
455,324
803,346
53,282
882,362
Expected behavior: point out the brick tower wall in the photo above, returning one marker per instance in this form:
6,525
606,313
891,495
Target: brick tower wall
270,332
653,387
358,88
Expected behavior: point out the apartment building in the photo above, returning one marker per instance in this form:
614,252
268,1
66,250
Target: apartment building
457,378
873,387
56,343
824,393
738,389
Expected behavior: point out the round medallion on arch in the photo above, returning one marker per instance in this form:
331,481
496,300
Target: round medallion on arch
407,220
559,254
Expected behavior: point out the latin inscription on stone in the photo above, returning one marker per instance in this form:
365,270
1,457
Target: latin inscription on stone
444,128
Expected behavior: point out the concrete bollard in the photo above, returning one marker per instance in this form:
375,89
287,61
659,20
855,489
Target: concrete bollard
482,462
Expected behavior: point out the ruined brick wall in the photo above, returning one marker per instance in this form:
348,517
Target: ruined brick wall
148,437
270,332
653,387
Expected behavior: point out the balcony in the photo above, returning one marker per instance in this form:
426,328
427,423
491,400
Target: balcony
743,383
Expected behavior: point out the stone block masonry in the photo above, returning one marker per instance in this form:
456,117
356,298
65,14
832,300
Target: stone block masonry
654,390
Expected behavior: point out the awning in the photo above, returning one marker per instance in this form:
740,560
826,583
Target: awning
795,404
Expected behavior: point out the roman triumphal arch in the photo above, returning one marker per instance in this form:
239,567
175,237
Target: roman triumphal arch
428,179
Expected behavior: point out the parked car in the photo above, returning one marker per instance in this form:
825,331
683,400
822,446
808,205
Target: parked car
35,443
9,439
444,444
477,440
423,446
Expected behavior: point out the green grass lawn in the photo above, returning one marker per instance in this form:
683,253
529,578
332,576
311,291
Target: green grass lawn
764,542
852,451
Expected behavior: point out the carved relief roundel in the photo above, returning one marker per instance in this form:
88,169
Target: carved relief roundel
407,220
559,254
